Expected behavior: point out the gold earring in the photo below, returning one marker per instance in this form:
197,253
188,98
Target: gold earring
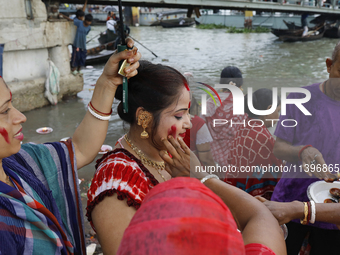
144,119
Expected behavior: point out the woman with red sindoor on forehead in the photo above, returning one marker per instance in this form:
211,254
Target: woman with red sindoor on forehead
159,101
40,203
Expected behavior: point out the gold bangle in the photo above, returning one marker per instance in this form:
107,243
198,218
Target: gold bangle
305,211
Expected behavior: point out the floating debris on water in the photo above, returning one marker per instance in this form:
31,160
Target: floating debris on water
165,60
44,130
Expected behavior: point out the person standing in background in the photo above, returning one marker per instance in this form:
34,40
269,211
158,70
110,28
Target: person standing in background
253,148
223,135
79,45
312,144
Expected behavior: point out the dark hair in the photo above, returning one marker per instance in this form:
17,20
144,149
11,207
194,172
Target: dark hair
89,17
262,98
109,13
231,73
80,13
154,88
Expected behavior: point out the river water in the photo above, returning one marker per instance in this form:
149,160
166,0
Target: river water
263,60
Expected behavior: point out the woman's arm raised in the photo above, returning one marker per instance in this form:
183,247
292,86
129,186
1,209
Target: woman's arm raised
90,134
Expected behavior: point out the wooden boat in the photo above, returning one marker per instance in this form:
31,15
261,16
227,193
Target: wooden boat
332,25
106,37
332,32
333,29
281,32
312,35
292,26
99,54
181,22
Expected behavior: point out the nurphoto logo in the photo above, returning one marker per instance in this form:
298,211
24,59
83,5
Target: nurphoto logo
238,104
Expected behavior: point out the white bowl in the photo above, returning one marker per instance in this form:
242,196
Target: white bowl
44,130
319,191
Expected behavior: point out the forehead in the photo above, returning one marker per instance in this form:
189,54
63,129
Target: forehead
4,91
184,95
183,100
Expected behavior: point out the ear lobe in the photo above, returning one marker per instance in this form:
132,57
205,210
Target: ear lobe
329,64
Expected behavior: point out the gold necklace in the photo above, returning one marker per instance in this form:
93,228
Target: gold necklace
158,165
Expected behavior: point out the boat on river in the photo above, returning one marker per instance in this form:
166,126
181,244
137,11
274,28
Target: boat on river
326,26
181,22
99,54
107,36
296,35
281,32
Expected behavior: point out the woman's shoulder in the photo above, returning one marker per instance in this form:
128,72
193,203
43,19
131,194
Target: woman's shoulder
120,172
121,156
121,160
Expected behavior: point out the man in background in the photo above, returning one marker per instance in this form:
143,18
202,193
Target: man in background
79,44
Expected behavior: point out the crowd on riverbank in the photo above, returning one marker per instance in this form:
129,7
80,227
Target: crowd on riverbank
132,187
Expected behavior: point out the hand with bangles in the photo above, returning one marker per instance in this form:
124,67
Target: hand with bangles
254,220
314,163
284,212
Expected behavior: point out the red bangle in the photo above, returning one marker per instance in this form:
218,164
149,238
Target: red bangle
304,147
101,113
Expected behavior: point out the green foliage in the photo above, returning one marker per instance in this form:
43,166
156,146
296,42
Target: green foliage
210,26
262,30
248,30
234,29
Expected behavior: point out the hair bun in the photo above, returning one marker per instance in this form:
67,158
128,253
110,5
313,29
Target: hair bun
119,93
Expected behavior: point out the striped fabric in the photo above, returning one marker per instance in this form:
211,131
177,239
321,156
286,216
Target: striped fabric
119,172
43,214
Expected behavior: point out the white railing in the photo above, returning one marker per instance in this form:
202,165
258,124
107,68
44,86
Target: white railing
311,3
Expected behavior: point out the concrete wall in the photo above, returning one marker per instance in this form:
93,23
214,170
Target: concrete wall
28,45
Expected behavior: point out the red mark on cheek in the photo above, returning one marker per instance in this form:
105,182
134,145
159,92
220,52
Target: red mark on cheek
11,94
4,133
189,105
172,131
187,86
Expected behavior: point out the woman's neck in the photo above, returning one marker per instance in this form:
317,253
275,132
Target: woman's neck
145,145
3,175
2,171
